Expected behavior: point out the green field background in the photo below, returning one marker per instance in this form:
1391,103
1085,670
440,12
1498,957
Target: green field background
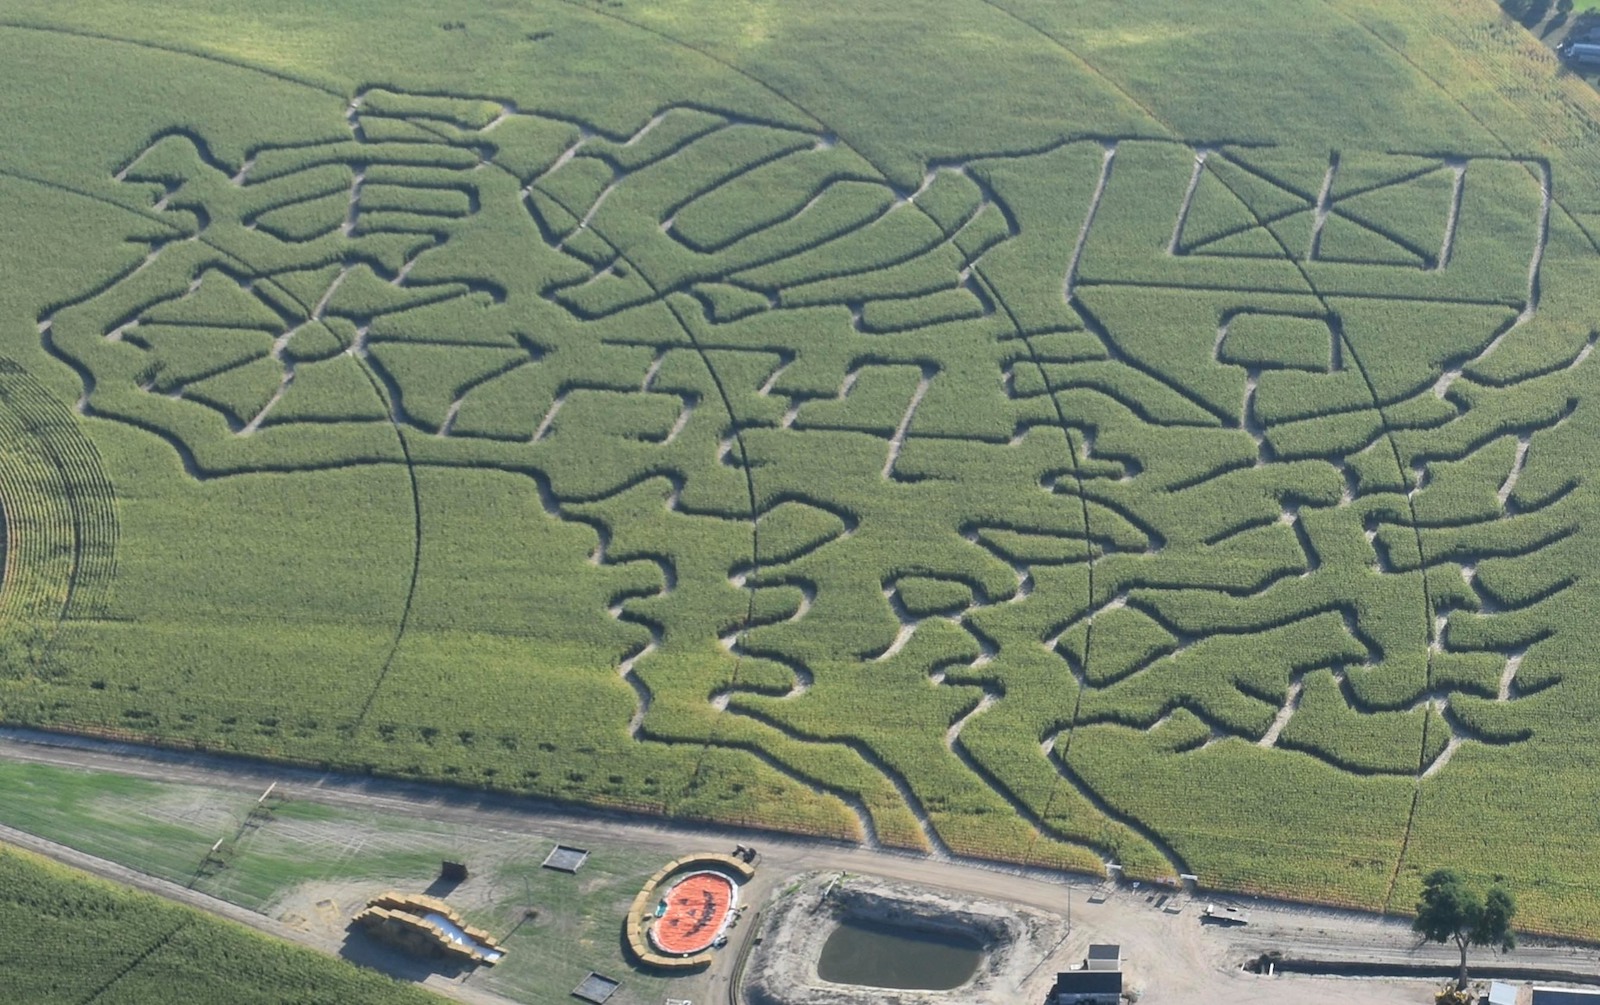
308,594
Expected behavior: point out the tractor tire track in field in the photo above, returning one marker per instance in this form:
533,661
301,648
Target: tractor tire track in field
135,963
912,802
585,216
926,376
1424,770
853,804
983,289
1466,109
60,527
1076,450
1348,348
389,397
1388,427
190,464
1059,752
59,511
1433,624
976,271
391,400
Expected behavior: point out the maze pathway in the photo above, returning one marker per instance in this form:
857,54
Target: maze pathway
990,510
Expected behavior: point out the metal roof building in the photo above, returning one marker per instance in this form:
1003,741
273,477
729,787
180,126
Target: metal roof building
1564,996
1501,993
1086,987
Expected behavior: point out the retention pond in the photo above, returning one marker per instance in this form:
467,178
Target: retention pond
887,956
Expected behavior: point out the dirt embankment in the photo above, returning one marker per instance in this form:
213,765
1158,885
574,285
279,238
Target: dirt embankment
1016,942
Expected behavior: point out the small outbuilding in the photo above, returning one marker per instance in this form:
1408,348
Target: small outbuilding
453,872
1086,987
1103,957
1501,993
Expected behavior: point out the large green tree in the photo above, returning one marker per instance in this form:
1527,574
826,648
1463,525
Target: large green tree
1451,911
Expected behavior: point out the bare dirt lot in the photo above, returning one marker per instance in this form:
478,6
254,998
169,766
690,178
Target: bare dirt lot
1170,955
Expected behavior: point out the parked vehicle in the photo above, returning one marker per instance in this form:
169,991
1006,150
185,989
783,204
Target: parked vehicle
1222,914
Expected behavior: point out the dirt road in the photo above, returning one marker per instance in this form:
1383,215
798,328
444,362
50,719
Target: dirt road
1171,956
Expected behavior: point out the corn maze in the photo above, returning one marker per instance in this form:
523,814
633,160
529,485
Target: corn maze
1187,505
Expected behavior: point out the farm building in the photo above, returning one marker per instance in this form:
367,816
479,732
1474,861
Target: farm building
1086,987
1103,957
1564,996
1581,53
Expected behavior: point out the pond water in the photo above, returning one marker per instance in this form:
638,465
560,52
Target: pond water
886,956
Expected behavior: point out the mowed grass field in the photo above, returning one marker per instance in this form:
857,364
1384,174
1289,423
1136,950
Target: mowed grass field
313,867
1134,434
